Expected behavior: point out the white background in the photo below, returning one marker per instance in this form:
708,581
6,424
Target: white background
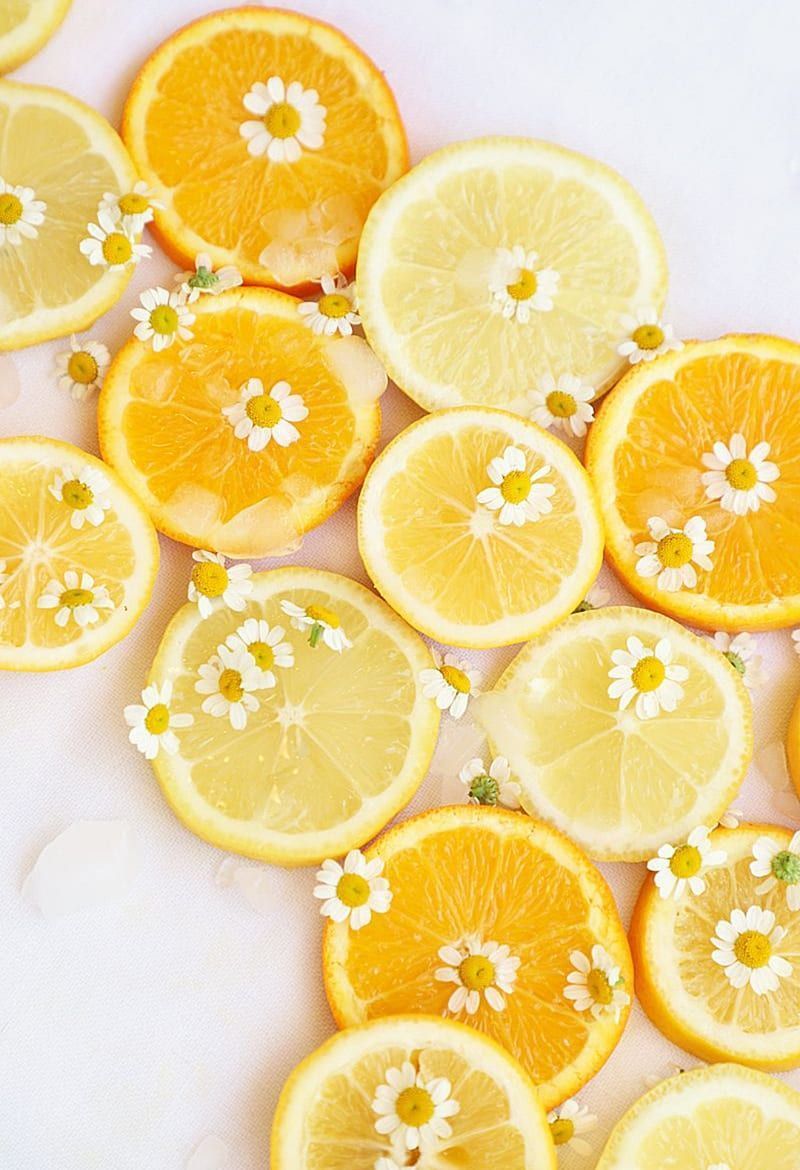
128,1034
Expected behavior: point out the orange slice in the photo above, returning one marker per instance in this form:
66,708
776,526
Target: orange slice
793,745
652,454
521,905
162,424
281,222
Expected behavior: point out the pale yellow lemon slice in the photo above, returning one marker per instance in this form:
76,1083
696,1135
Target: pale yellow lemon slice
25,25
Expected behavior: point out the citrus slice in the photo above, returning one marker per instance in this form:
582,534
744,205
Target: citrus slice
479,527
25,25
78,556
622,774
748,1009
339,741
497,261
708,431
461,1083
706,1119
274,167
485,944
195,428
48,288
793,746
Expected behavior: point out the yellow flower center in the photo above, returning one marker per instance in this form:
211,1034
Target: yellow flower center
230,685
164,319
686,861
263,654
561,1130
353,890
675,550
476,972
210,578
648,673
515,487
648,336
415,1106
133,204
10,209
72,598
334,305
753,949
263,411
77,494
117,248
319,613
560,404
282,120
82,367
157,719
741,474
524,286
456,678
598,986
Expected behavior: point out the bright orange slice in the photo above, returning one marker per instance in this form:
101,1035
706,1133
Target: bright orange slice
268,136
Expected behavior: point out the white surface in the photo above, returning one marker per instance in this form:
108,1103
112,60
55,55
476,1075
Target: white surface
128,1034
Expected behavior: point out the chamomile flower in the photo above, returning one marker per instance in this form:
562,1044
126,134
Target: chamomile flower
385,1163
520,285
229,679
354,891
492,785
21,214
162,317
262,415
266,645
480,970
412,1111
322,623
595,984
152,723
335,311
517,494
564,405
596,598
677,867
211,578
82,367
673,555
290,120
646,677
111,244
745,947
451,683
646,336
731,818
78,598
85,492
741,650
740,479
203,278
134,209
567,1122
778,867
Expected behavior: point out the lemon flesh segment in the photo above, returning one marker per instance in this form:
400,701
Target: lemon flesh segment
429,258
25,25
724,1115
324,1118
443,559
337,746
69,156
38,544
619,785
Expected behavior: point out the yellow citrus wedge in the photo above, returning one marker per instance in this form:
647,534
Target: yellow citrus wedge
339,741
793,745
78,556
497,261
508,905
709,431
58,152
472,569
622,781
467,1087
26,25
162,424
706,1119
274,165
749,1009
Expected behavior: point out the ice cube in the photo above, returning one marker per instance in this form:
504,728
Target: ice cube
92,863
211,1154
257,886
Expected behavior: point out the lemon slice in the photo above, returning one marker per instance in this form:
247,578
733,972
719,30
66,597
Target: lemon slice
68,156
460,565
70,531
497,261
25,25
706,1119
487,1111
336,746
622,782
689,995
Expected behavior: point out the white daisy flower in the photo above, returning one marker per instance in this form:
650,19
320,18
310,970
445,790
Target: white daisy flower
520,286
82,367
596,598
731,818
78,598
738,479
85,492
744,946
134,209
565,405
796,641
111,244
478,969
162,317
412,1110
323,625
229,679
203,278
290,119
451,683
677,867
647,336
336,310
152,723
719,1166
387,1164
778,867
595,984
21,213
354,891
741,651
261,415
567,1122
212,578
516,494
647,676
673,555
266,646
490,786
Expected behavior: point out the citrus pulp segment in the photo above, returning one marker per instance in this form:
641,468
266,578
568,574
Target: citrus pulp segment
325,1118
497,261
25,25
793,745
59,153
621,780
268,136
521,905
472,569
168,422
683,987
70,533
709,432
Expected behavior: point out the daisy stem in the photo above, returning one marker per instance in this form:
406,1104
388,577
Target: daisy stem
315,635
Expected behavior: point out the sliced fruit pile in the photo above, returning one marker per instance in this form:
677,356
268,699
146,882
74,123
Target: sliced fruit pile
25,25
